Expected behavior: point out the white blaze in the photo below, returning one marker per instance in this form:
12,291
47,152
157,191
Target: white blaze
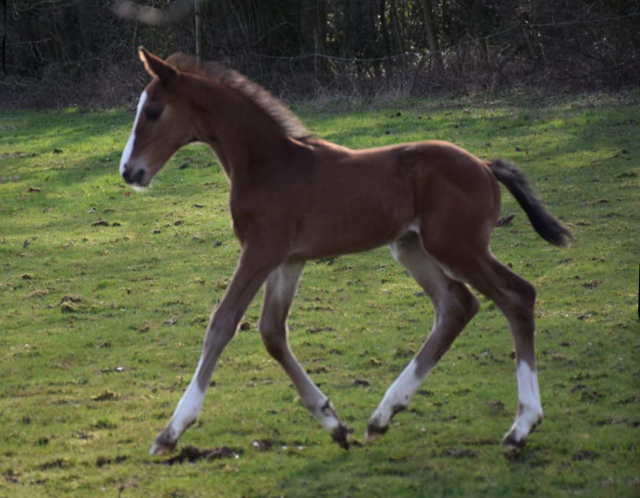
126,154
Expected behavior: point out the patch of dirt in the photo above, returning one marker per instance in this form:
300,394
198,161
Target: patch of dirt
58,463
560,357
102,461
4,179
497,407
317,370
105,396
627,401
37,294
404,353
17,155
593,284
192,454
482,442
459,453
361,383
103,424
587,396
578,387
505,221
611,421
317,330
11,476
100,223
629,174
585,455
262,444
70,299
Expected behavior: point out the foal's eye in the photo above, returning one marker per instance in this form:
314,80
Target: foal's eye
153,114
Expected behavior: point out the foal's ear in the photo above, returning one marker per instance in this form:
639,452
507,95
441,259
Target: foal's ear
158,68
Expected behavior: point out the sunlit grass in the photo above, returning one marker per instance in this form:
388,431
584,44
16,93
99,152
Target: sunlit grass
106,294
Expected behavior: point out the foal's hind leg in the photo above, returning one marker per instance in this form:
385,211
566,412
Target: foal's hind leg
515,297
454,305
279,293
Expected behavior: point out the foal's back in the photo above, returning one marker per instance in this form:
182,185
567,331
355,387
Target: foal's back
350,201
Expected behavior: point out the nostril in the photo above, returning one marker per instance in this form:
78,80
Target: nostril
133,178
139,176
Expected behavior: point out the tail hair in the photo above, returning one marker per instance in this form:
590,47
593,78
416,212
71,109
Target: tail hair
548,226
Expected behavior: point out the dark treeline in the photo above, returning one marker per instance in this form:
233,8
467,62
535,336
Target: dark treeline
78,51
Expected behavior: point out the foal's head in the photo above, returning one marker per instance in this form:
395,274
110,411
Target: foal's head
162,125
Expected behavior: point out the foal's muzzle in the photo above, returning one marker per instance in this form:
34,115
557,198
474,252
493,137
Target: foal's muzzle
133,178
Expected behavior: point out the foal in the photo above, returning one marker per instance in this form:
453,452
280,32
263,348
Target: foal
295,198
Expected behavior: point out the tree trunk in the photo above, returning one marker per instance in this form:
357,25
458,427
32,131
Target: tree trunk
198,29
396,27
384,28
308,22
479,28
432,36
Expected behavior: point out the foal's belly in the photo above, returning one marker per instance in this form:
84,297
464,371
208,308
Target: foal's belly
321,236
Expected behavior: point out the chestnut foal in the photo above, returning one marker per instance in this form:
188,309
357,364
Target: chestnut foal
295,198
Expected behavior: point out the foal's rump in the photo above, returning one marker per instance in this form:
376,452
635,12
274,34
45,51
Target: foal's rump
457,198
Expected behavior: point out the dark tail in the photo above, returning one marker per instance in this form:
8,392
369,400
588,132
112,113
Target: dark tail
547,225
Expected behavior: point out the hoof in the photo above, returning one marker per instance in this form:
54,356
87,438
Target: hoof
510,442
163,444
374,431
339,435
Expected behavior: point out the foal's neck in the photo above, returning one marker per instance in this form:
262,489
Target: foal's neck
240,132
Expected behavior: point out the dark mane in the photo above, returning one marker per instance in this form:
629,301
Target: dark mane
286,119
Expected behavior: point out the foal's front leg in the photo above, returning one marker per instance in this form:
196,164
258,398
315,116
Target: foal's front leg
249,276
280,290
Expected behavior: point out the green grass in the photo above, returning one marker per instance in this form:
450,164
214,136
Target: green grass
101,323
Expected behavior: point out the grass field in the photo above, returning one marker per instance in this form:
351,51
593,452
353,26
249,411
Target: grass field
105,295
